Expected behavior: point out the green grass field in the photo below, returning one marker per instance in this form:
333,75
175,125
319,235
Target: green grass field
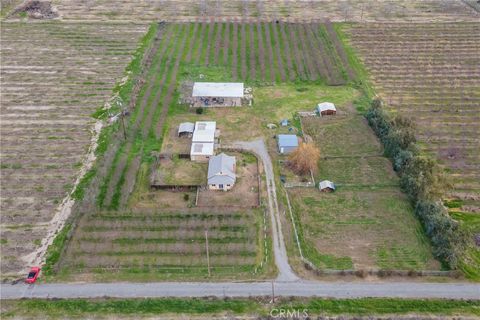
146,308
367,223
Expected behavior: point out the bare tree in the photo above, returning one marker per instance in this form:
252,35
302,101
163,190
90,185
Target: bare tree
305,158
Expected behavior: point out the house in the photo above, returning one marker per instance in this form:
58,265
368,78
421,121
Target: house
203,140
287,143
221,172
185,129
326,186
217,94
326,108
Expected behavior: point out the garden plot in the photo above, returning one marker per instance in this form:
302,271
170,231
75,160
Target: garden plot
155,10
164,245
54,76
367,223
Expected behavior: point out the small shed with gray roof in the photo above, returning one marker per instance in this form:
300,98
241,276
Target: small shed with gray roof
287,143
186,129
326,108
326,186
221,172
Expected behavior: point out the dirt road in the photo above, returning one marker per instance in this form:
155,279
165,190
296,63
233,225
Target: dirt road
285,272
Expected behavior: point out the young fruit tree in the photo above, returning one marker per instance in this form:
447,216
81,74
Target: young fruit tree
304,159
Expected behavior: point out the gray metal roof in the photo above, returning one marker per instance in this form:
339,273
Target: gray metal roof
326,184
221,169
218,89
287,140
186,127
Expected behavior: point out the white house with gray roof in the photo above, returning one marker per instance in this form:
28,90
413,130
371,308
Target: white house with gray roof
221,172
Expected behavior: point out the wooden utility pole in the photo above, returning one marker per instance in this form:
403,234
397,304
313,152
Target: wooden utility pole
208,255
273,293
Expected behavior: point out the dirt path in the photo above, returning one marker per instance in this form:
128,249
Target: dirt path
297,53
252,54
285,272
261,50
188,58
288,54
200,42
280,66
211,27
268,38
308,56
319,59
218,42
226,43
243,53
235,51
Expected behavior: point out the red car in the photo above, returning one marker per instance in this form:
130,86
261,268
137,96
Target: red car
33,275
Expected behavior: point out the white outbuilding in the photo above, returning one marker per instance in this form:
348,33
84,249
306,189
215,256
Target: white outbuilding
217,94
326,108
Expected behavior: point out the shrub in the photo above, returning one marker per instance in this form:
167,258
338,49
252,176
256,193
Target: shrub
199,110
186,197
447,238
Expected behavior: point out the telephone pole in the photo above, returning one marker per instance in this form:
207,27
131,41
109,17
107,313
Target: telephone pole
208,255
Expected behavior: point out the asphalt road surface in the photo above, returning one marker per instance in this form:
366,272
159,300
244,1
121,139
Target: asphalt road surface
199,289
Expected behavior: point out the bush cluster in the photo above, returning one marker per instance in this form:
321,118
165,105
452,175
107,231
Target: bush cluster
421,179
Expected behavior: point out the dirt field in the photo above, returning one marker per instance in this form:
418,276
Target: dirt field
431,73
349,10
54,76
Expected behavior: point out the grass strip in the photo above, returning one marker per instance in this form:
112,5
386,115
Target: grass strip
253,306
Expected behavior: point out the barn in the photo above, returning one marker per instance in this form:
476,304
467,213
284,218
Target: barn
326,108
217,94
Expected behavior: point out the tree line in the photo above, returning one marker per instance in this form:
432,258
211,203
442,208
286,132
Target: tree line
422,179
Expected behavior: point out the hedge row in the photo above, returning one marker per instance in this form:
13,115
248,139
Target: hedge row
421,179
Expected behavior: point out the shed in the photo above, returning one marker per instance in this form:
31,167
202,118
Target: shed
201,151
287,143
186,129
326,186
217,94
326,108
204,131
221,172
